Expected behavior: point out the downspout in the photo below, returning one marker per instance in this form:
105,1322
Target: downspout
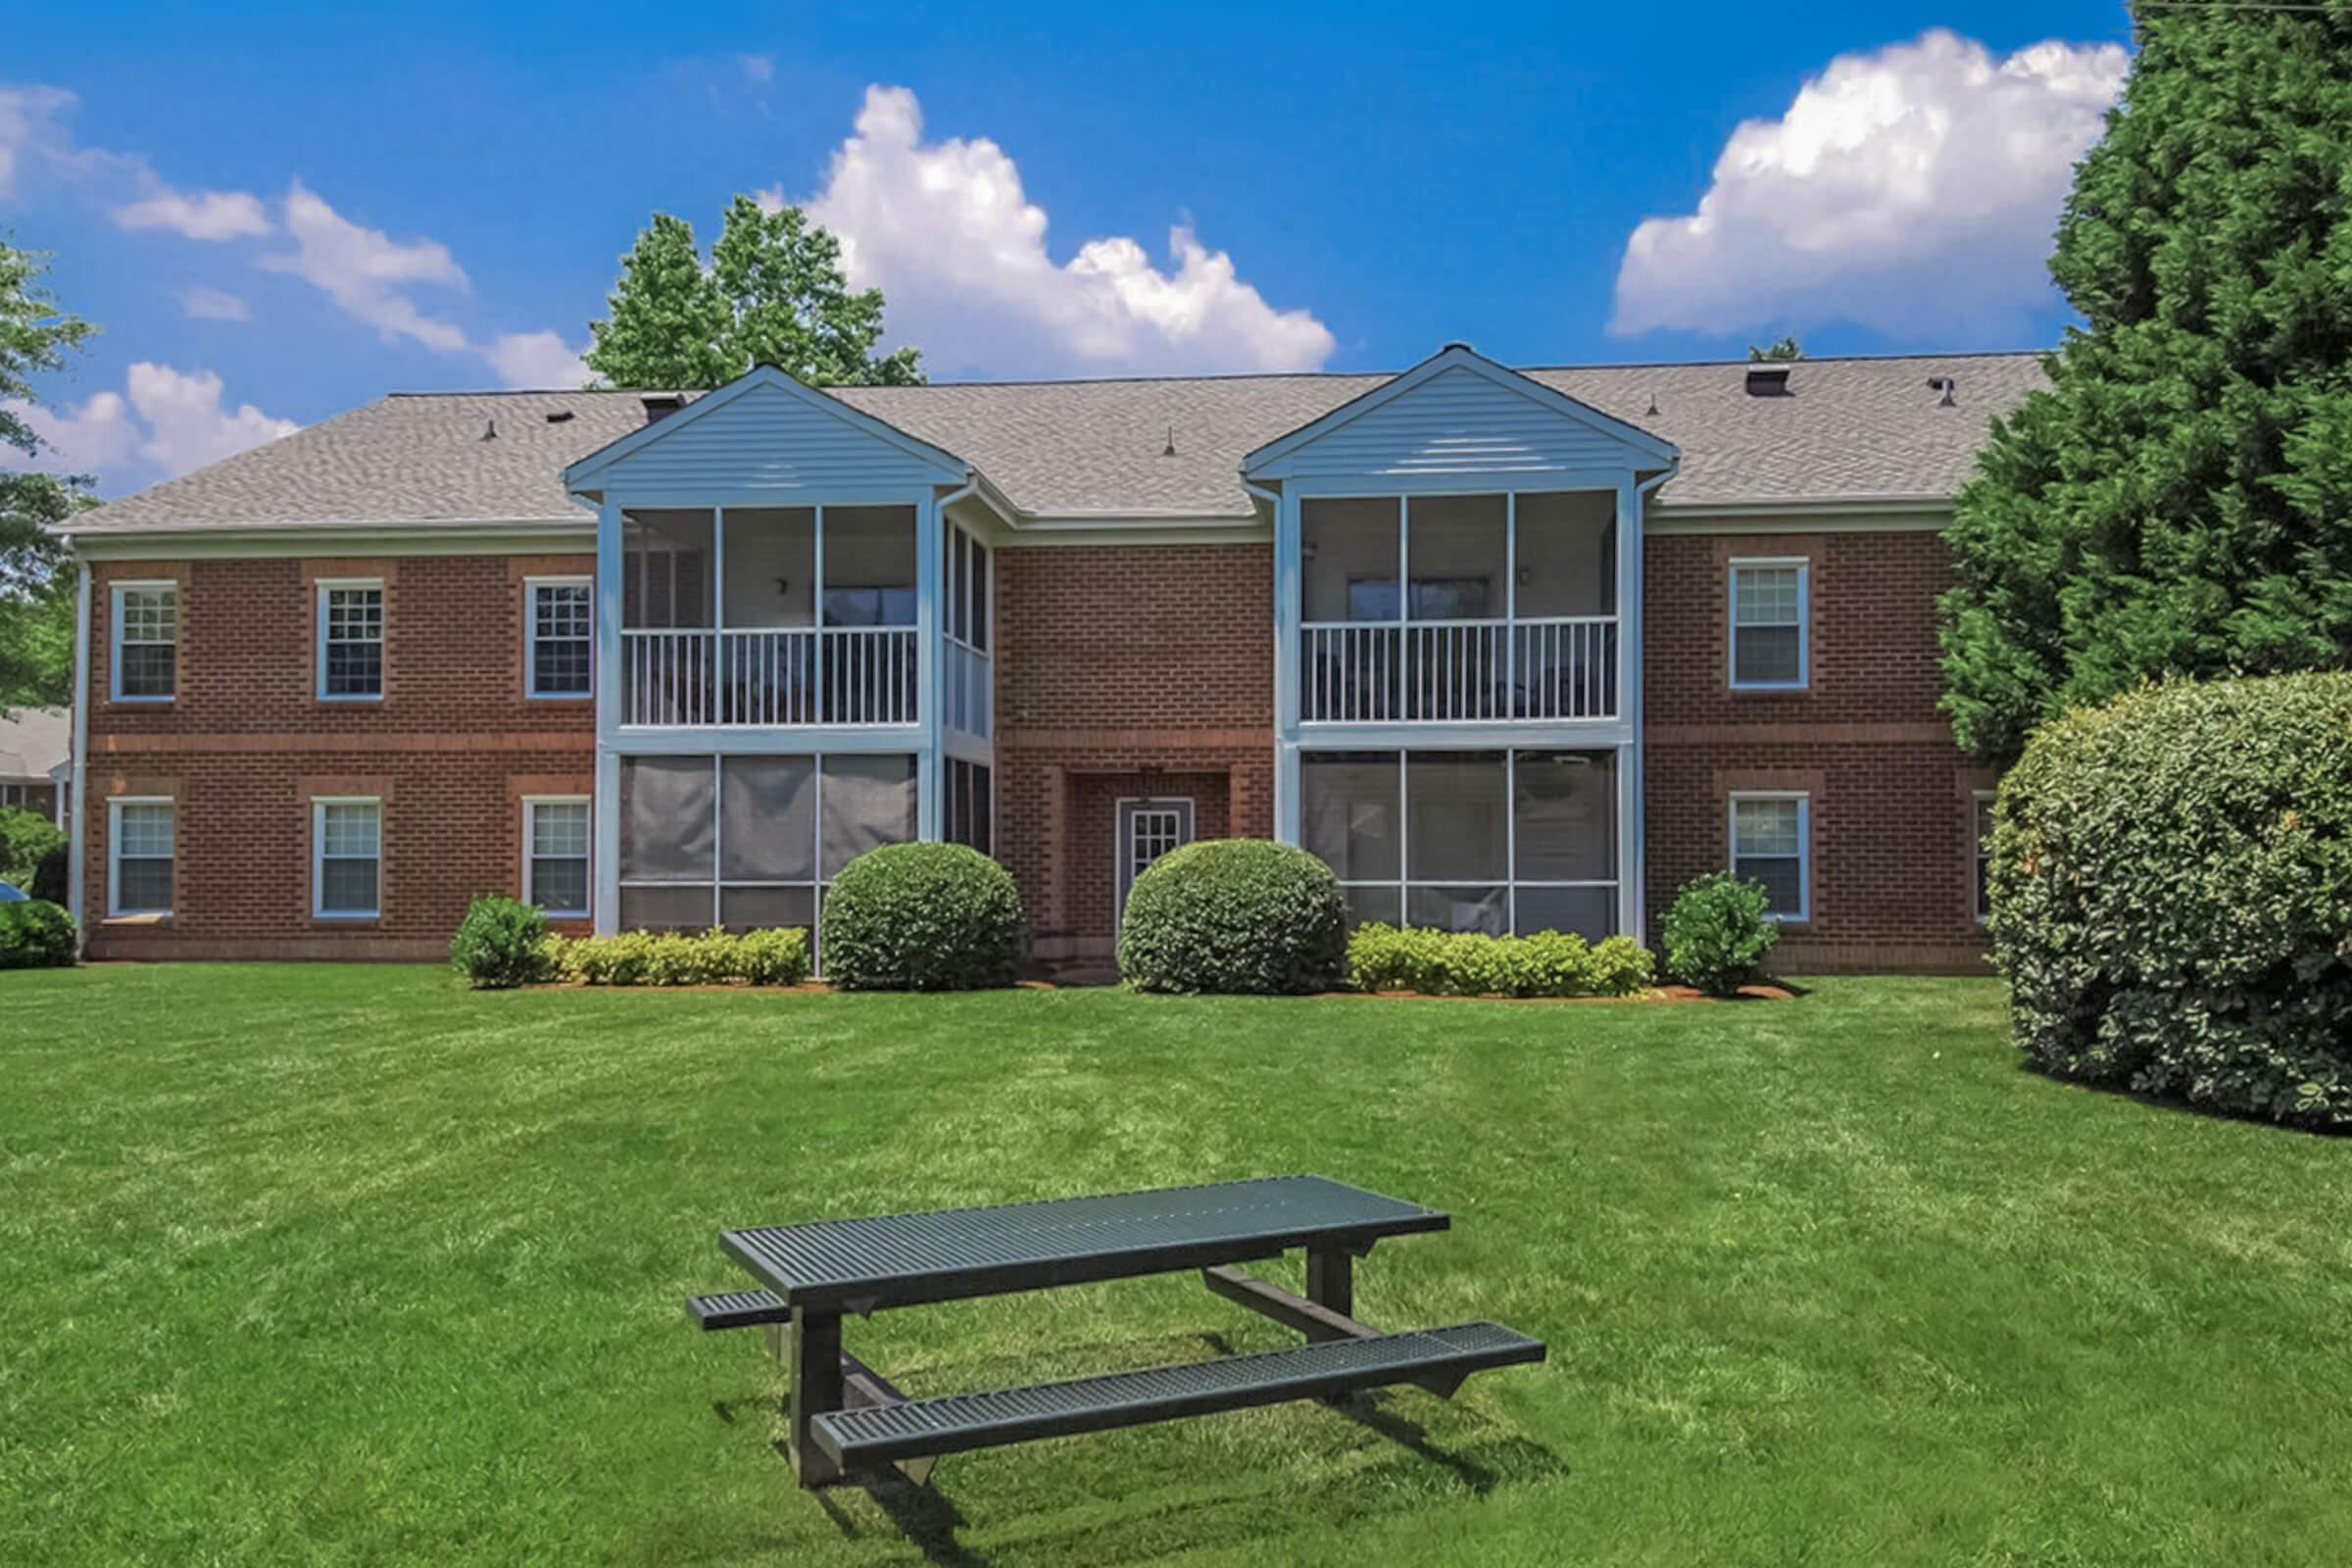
78,773
1639,751
1283,649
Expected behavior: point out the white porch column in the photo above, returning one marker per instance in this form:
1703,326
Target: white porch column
610,671
1632,903
1289,606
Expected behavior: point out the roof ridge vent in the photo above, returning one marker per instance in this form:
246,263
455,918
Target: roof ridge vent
1768,382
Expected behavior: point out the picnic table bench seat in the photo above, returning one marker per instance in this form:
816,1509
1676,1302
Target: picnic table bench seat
737,1310
929,1428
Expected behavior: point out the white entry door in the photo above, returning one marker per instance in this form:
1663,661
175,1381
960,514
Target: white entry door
1148,830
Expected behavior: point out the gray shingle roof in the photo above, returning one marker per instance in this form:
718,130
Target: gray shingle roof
34,740
1852,429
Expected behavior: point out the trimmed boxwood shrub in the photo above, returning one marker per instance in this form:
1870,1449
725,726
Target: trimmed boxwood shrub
1716,933
2171,881
24,837
500,945
36,934
1541,963
1245,916
921,917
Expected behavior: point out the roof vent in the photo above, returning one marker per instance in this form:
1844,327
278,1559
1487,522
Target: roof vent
1948,386
558,416
1768,382
661,405
490,430
1170,450
1653,404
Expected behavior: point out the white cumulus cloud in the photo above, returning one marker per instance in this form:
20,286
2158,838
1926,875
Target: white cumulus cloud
367,272
205,304
541,359
195,214
944,230
161,425
1912,189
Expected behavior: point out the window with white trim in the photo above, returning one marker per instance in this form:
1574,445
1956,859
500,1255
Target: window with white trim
1771,844
562,635
15,793
1768,625
351,641
146,641
140,836
1982,815
554,855
346,857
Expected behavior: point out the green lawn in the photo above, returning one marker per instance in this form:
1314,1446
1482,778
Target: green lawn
331,1266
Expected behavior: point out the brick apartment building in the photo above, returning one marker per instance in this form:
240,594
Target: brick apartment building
1509,649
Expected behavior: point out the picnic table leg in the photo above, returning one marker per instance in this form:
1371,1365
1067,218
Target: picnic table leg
815,1357
1331,1283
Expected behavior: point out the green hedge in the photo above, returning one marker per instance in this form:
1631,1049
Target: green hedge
36,934
921,917
24,837
1244,915
1451,964
1716,933
2171,895
775,957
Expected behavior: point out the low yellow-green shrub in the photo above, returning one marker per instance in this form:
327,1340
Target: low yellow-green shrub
777,958
1456,964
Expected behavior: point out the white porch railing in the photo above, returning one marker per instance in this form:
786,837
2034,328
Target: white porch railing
968,690
769,678
1438,671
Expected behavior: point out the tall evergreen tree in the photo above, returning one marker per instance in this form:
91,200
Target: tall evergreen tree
36,610
774,294
2179,500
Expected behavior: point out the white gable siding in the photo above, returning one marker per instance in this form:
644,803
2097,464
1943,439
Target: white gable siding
1458,421
768,439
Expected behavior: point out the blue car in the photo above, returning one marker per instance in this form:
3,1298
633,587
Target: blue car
9,892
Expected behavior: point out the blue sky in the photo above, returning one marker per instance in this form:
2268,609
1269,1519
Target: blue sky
276,215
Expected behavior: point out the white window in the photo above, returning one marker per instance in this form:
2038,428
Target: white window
554,854
13,795
139,866
146,641
1770,843
1984,849
346,858
351,641
1768,625
562,635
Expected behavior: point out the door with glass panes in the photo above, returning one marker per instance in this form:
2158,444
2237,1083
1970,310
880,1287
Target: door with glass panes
1148,830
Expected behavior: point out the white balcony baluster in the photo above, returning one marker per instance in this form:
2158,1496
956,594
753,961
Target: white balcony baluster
1449,671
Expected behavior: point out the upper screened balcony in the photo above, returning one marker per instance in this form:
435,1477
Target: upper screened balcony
769,617
1437,608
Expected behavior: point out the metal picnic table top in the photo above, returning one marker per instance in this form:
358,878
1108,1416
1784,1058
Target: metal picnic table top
859,1266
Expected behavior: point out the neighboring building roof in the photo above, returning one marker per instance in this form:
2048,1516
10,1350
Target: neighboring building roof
1849,430
33,741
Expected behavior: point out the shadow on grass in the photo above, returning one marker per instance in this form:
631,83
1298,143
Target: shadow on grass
1169,1488
2177,1105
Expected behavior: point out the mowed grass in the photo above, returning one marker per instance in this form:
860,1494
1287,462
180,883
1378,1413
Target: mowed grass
347,1265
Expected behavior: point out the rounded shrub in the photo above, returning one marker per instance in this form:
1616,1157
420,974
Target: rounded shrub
24,837
500,944
49,877
921,917
1244,915
1716,933
36,934
2171,881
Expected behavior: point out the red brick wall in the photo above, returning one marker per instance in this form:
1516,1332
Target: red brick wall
1891,818
451,749
1125,670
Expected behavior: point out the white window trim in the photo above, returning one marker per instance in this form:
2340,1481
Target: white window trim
114,637
1979,855
1804,622
318,806
383,641
113,851
530,809
531,639
1804,846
